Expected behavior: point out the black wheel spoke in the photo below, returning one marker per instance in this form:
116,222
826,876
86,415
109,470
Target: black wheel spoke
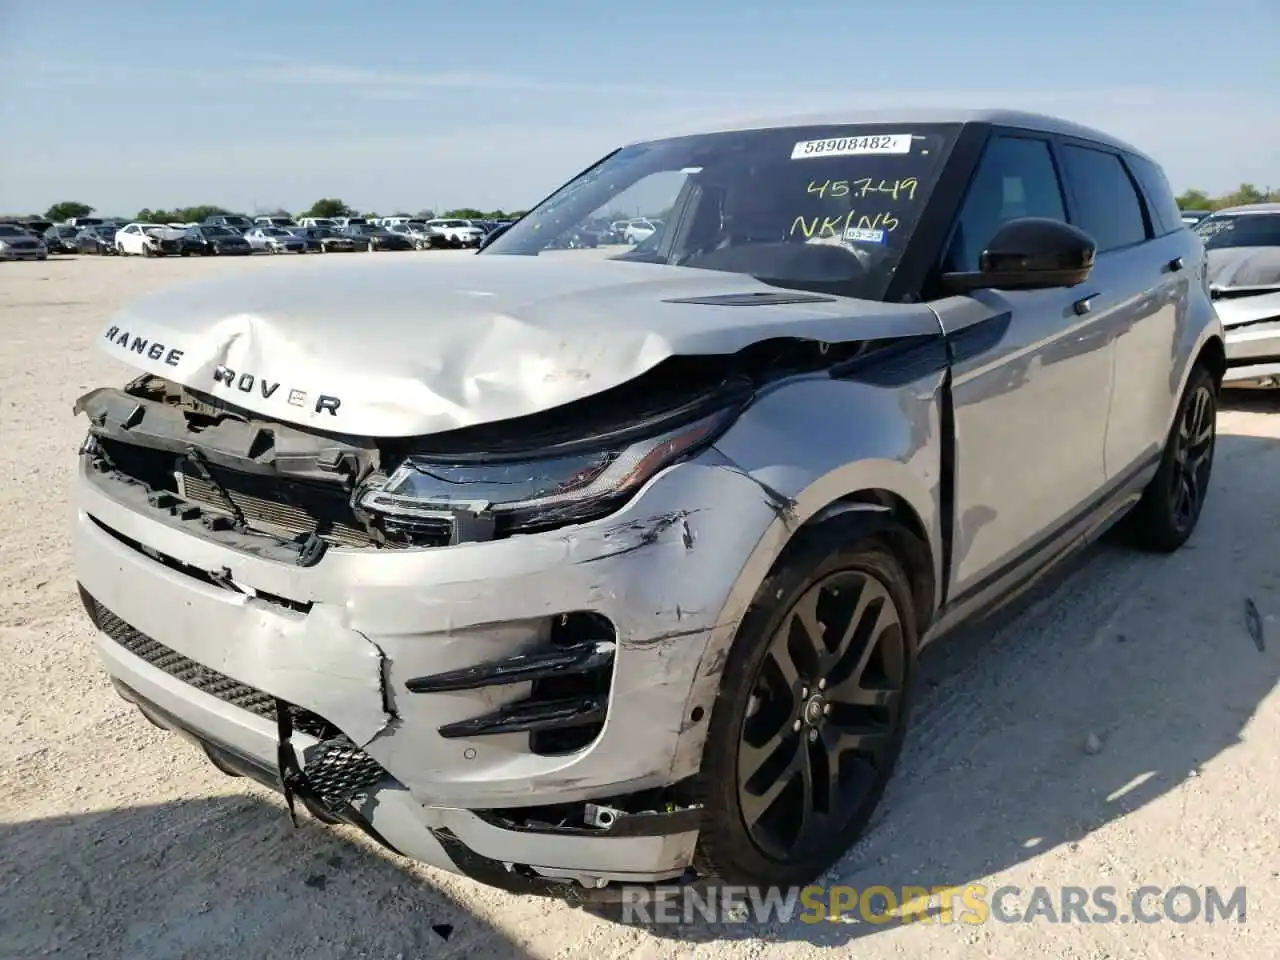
751,759
757,799
858,640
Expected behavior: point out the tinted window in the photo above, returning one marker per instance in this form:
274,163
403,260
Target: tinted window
1015,178
1108,206
1160,199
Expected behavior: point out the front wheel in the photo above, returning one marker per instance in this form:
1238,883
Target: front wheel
811,713
1170,506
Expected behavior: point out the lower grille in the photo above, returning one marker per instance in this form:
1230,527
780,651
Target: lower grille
336,770
197,675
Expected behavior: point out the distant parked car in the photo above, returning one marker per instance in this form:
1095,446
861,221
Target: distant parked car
1192,217
459,233
285,222
79,222
378,238
18,244
317,222
234,220
97,238
37,225
638,231
1242,256
148,240
426,237
211,240
325,239
576,239
60,239
275,240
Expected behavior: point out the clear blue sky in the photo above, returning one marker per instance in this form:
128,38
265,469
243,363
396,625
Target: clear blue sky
493,103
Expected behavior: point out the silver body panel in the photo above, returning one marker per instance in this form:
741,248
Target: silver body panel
1021,427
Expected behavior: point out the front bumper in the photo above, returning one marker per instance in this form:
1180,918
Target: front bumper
341,640
1253,355
23,253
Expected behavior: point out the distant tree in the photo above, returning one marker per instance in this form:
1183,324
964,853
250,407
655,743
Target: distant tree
619,215
199,213
401,213
426,214
1245,193
1193,200
278,212
465,213
329,207
66,210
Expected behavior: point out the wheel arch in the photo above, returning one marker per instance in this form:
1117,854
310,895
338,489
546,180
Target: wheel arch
1213,355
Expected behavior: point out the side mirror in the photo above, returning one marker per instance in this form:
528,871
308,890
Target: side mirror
1031,253
492,235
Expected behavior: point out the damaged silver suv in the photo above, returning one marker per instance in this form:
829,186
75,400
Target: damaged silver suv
563,568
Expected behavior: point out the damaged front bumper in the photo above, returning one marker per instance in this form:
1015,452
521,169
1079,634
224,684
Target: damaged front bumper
1253,354
527,711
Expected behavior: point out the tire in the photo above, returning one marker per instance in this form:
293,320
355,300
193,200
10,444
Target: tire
1170,507
846,570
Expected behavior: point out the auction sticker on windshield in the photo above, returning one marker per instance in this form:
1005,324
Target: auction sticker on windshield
852,146
862,235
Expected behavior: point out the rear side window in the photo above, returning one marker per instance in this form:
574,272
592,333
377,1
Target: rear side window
1015,178
1108,208
1160,199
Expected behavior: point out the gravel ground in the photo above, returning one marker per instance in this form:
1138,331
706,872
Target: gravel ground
1120,728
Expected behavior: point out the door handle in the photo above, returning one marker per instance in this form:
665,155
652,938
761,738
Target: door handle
1083,305
1175,264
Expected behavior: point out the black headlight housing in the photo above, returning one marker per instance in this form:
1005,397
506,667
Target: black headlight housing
561,482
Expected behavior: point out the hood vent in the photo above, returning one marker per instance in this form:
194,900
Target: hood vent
764,298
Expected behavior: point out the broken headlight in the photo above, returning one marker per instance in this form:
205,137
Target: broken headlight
538,491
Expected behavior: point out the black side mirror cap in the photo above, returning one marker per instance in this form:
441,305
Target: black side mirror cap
1030,253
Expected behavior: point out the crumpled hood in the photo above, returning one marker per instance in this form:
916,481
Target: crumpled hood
410,348
1232,268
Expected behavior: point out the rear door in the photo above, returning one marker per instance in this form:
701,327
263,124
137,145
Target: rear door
1135,290
1031,382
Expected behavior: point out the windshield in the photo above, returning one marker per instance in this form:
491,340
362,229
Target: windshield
828,207
273,232
7,230
1240,230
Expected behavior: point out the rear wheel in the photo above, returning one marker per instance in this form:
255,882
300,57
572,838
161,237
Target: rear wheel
811,713
1170,506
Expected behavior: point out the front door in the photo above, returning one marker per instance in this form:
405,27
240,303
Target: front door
1031,382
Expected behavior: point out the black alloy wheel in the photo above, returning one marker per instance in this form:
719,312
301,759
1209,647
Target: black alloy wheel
1171,505
812,708
1193,454
822,715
